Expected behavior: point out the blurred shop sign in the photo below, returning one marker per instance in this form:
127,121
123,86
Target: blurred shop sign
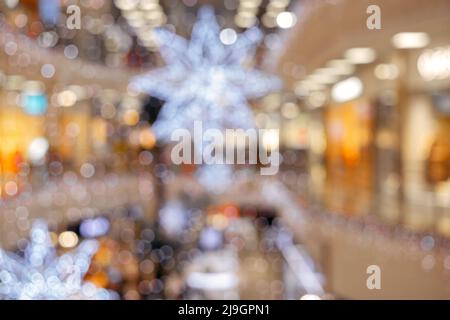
34,104
33,98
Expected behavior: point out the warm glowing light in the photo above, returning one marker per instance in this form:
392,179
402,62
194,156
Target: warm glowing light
271,139
320,77
147,139
131,117
386,71
67,98
360,55
341,67
346,90
434,64
304,87
68,239
410,40
317,99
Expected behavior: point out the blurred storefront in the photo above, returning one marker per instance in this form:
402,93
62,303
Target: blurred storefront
383,101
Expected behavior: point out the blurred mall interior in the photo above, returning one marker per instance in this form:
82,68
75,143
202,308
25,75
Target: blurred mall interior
92,205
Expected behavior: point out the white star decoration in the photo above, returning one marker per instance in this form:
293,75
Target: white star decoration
204,79
41,275
215,177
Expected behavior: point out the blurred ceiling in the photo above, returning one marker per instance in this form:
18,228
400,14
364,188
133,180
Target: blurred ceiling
326,28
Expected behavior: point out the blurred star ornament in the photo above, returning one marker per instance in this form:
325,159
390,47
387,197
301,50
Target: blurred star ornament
41,275
216,178
173,218
204,79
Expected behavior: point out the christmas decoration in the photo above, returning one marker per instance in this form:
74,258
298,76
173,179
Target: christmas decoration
42,275
205,79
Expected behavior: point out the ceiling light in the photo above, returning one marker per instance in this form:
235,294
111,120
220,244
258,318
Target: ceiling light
286,20
410,40
386,71
323,78
360,55
303,88
347,90
341,67
317,99
331,73
434,64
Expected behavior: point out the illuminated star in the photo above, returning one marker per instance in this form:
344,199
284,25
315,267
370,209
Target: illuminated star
205,79
41,275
